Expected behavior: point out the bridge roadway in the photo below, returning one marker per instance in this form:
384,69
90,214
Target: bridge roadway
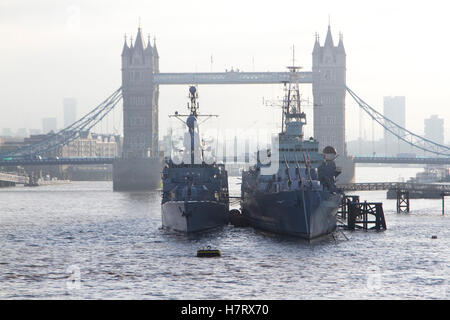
398,160
55,161
402,186
75,161
108,160
232,77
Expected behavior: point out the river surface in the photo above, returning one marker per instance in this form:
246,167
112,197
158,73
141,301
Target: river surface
83,241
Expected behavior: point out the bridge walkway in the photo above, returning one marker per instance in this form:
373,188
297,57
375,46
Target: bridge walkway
7,179
402,190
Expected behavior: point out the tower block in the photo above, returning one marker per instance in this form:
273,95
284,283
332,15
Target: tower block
140,165
329,88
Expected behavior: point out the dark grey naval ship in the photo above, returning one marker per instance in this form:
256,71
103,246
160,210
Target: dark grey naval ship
195,193
295,194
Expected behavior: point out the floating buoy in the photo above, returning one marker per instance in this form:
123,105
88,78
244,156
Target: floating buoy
433,237
208,252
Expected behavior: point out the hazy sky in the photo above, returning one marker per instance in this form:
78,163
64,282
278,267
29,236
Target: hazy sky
54,49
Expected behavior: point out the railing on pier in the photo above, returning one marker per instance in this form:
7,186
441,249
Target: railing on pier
406,186
402,160
402,190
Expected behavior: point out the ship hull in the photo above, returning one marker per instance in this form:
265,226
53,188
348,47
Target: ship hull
194,216
306,214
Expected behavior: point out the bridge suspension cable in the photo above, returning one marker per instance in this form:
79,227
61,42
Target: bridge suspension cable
400,132
71,132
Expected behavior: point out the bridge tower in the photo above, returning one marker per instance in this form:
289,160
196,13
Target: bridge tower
140,165
329,88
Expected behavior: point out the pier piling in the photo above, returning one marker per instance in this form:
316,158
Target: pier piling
343,208
359,213
402,201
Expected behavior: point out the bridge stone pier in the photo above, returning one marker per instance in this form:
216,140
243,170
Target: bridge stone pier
141,164
329,89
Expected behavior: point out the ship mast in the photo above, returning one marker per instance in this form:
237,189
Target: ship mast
193,107
292,100
191,121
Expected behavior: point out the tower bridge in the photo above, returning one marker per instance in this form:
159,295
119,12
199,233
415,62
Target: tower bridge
140,163
141,79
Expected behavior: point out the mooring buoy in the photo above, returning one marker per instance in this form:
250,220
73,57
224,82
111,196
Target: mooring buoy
208,252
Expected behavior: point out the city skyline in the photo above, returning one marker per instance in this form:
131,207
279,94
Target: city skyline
382,60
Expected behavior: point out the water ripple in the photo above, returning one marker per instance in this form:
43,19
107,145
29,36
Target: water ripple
86,242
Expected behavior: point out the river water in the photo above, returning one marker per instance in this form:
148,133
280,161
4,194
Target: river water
83,241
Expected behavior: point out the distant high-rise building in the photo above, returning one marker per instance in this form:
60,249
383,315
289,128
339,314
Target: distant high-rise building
70,111
434,129
22,132
35,131
48,124
394,110
7,132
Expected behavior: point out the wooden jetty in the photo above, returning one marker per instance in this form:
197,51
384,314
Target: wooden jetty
358,214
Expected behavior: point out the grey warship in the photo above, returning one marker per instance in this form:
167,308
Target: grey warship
195,193
295,194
